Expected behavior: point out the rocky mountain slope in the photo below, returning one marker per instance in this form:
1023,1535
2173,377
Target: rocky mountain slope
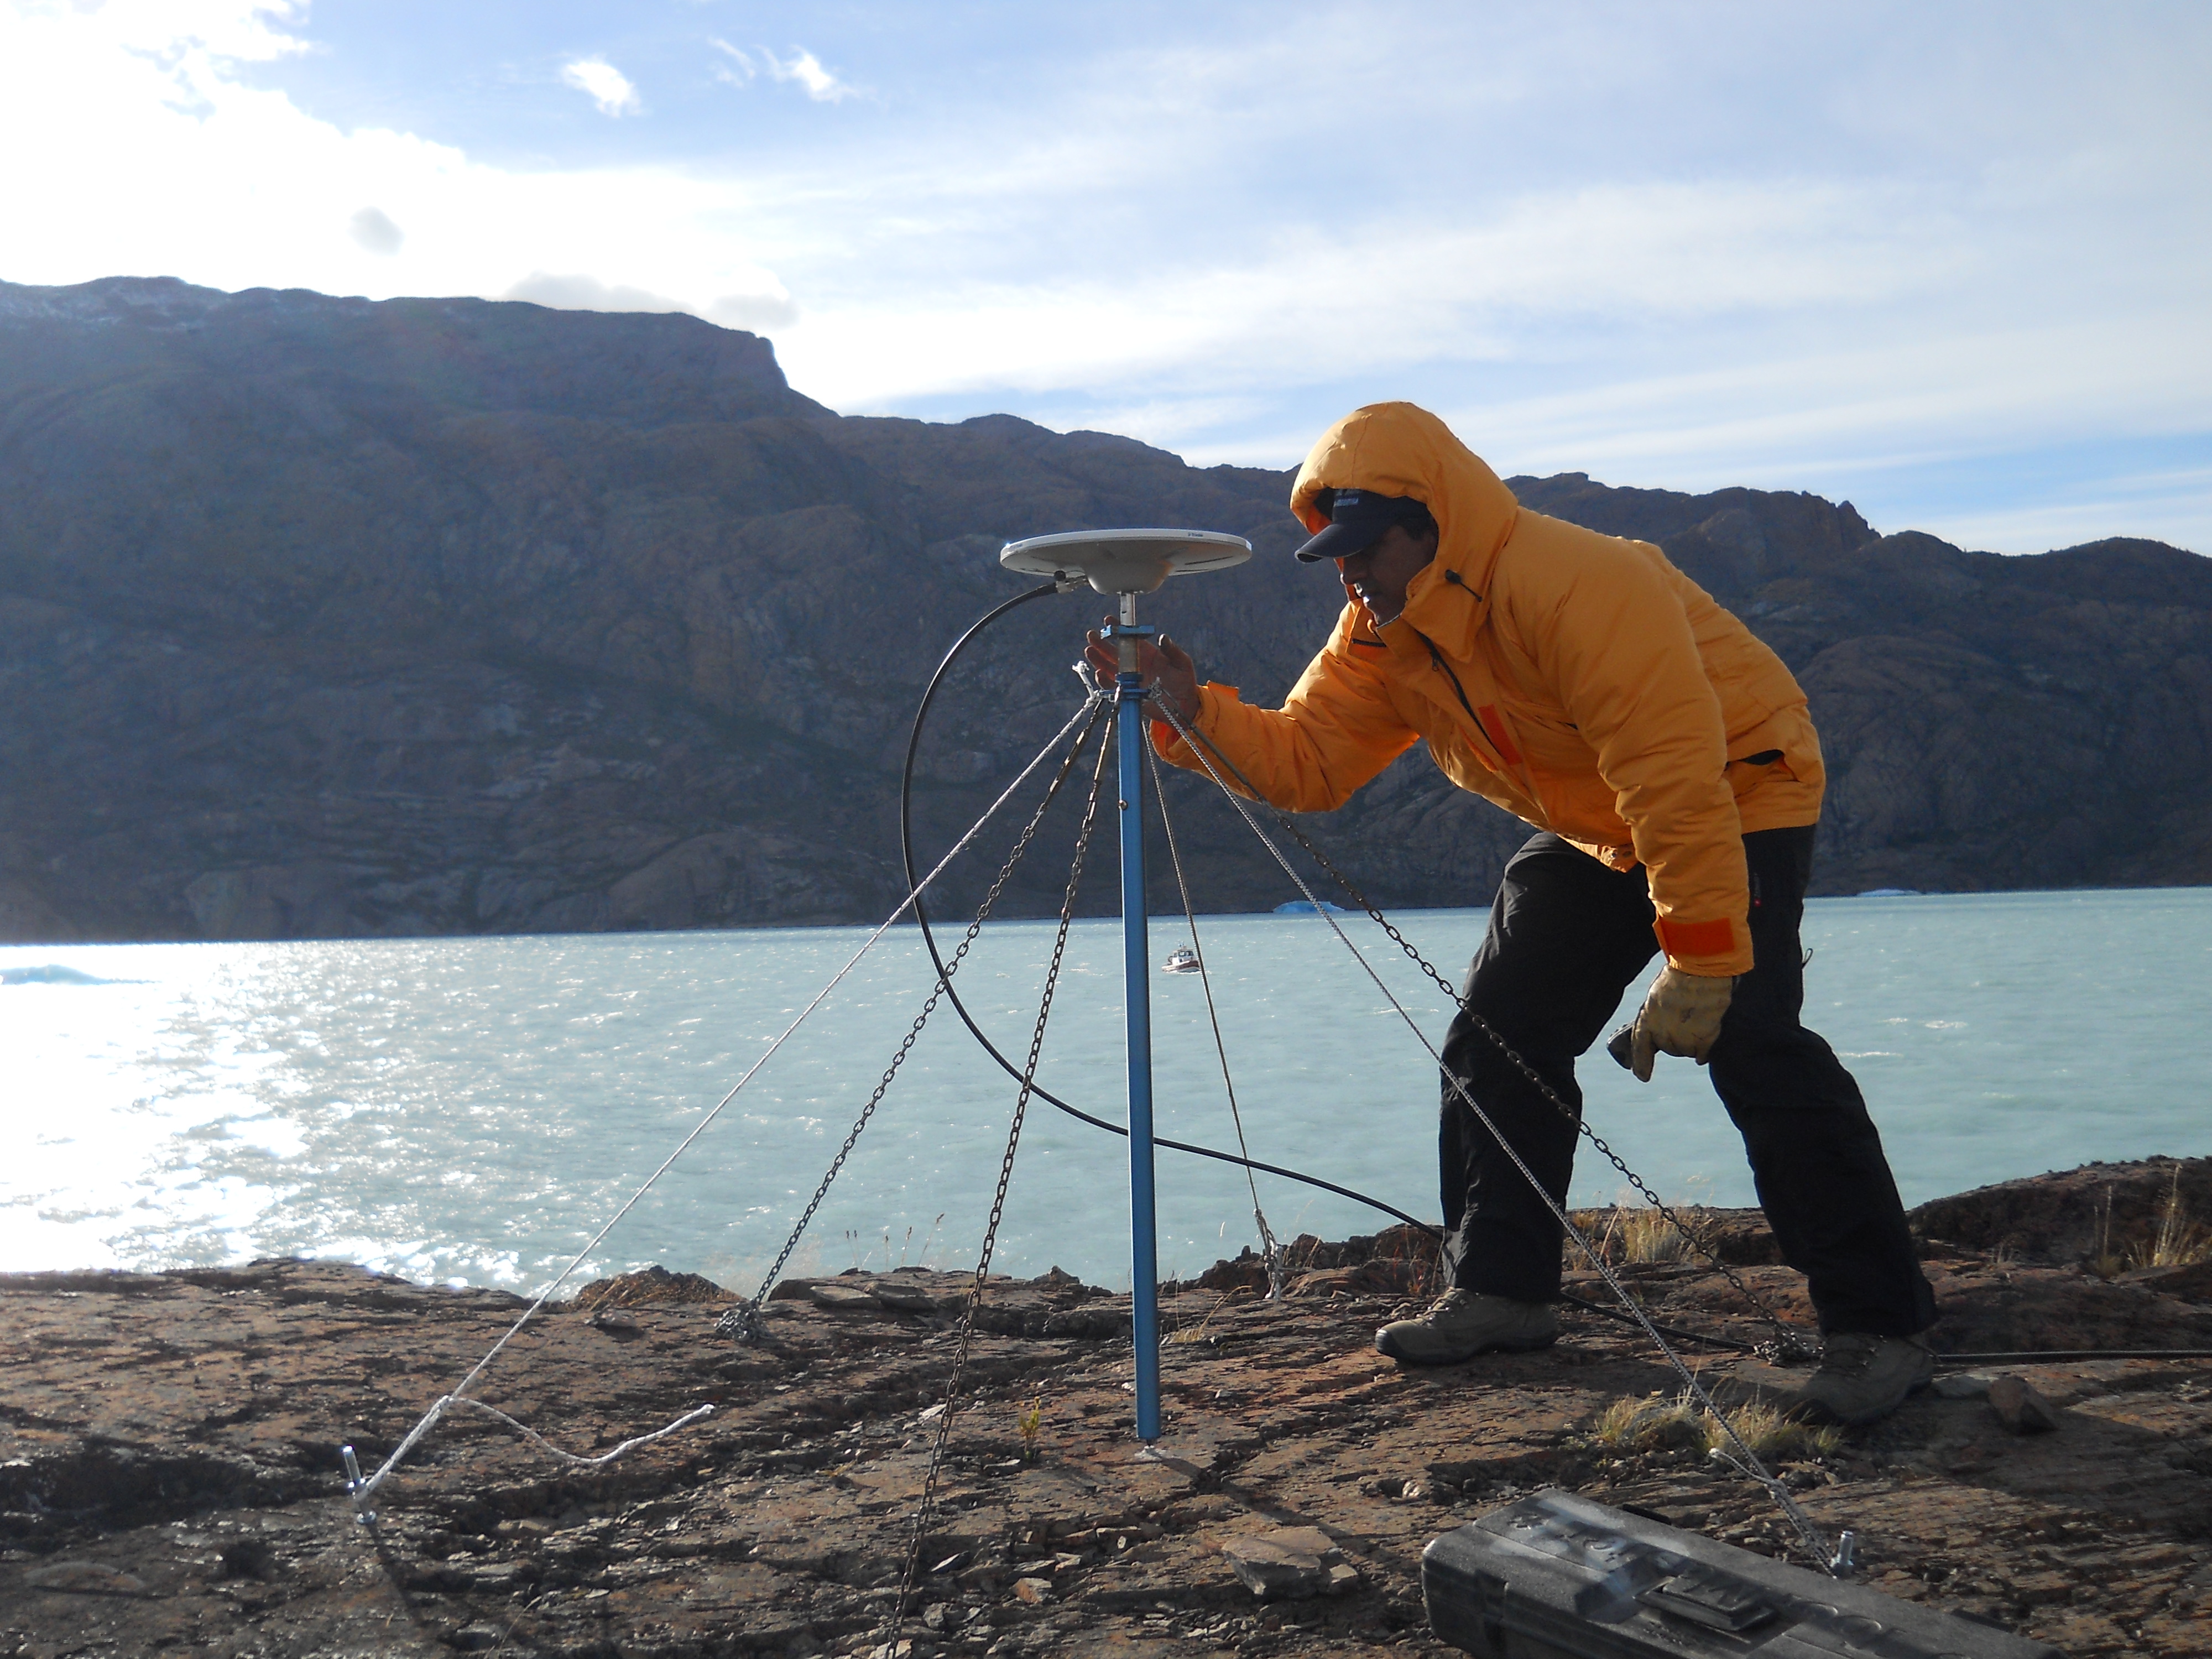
324,617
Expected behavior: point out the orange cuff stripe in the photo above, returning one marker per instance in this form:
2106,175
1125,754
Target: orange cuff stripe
1695,938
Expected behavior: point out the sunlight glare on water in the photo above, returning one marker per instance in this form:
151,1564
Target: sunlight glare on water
471,1109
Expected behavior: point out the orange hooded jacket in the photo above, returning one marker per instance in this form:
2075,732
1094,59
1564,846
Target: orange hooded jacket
1579,681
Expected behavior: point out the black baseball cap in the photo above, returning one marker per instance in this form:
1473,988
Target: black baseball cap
1357,519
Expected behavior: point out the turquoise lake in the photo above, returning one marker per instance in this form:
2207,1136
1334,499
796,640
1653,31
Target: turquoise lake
472,1110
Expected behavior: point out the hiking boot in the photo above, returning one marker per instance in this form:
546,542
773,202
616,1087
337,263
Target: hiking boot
1864,1377
1464,1323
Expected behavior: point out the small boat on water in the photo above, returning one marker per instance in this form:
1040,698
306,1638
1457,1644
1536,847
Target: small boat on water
1181,960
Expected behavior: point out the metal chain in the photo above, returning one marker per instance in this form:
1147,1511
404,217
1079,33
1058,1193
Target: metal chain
1836,1561
743,1321
1271,1253
1788,1345
999,1201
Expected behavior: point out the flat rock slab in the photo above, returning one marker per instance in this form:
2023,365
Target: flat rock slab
1962,1385
1290,1564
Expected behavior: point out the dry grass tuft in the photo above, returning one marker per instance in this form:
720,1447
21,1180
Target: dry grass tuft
1633,1233
2176,1239
1770,1434
1647,1424
1423,1261
1184,1335
1647,1236
2104,1260
864,1251
1659,1421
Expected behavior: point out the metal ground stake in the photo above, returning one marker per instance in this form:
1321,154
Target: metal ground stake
1136,989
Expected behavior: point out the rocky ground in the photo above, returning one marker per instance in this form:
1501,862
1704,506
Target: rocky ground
172,1473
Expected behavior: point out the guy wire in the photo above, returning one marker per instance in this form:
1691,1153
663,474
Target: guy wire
1270,1253
944,1438
1815,1543
952,996
363,1489
743,1321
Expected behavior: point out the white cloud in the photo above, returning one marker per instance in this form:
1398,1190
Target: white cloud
737,70
605,85
372,228
198,175
218,31
580,293
755,312
804,67
1952,394
2173,508
1788,250
1477,290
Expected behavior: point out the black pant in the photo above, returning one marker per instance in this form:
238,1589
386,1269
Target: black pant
1566,937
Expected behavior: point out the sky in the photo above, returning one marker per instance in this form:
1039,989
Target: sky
1952,263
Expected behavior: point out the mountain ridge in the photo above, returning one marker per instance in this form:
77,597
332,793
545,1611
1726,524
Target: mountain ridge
331,618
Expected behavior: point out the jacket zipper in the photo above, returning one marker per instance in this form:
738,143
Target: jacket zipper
1436,656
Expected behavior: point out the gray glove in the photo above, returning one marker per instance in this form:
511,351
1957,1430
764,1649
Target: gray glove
1681,1016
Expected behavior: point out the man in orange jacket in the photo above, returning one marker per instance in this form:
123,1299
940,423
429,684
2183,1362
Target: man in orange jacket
1667,759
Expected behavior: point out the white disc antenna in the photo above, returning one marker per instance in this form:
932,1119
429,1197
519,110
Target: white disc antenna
1125,560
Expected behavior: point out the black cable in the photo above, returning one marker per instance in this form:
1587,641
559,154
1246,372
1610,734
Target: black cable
2062,1355
2037,1356
1678,1333
1945,1361
929,939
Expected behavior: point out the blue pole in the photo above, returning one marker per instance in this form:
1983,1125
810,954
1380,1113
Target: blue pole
1144,1244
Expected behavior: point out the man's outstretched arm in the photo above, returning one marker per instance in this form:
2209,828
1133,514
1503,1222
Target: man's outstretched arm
1337,730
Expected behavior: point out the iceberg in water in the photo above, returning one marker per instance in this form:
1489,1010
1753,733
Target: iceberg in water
52,973
1310,907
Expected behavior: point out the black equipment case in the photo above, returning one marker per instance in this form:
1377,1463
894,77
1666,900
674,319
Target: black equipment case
1557,1576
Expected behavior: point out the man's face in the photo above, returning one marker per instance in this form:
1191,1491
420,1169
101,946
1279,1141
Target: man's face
1379,573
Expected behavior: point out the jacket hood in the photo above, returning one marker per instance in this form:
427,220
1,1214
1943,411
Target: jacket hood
1400,449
